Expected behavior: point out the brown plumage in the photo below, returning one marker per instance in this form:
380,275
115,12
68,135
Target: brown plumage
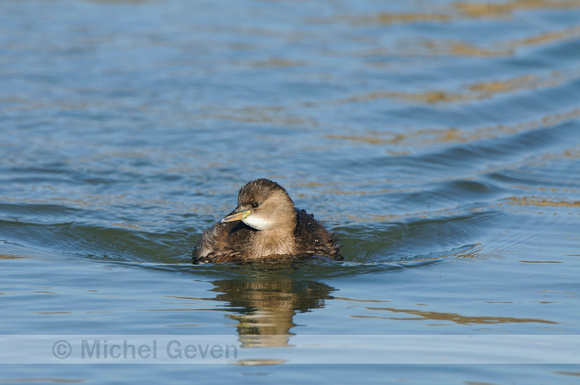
265,226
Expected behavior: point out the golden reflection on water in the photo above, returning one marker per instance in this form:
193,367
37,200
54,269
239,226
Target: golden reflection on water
408,17
259,114
539,202
463,10
276,62
267,307
494,49
475,91
568,373
5,256
424,137
503,9
419,315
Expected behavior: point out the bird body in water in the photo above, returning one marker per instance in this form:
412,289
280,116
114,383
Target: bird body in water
265,226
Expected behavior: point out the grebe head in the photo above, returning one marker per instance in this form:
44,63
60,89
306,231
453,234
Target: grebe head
264,205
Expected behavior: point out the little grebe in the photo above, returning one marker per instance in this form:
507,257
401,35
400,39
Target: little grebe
265,226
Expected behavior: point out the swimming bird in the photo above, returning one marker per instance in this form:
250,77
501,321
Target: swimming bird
265,226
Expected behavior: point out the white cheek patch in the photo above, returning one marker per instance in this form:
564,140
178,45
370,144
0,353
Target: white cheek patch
257,222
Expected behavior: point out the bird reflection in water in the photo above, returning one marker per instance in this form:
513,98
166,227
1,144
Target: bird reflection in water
266,307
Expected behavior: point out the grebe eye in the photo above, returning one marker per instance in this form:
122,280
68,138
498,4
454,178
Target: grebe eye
254,204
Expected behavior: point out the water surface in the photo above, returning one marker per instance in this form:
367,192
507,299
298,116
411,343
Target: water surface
439,140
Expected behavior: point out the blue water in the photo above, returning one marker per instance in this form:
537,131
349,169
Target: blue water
440,141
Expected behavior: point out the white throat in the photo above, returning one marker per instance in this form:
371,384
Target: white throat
257,222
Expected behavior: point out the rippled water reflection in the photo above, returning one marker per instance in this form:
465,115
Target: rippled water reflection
440,141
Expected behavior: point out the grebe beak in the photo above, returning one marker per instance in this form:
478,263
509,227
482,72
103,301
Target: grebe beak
236,215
